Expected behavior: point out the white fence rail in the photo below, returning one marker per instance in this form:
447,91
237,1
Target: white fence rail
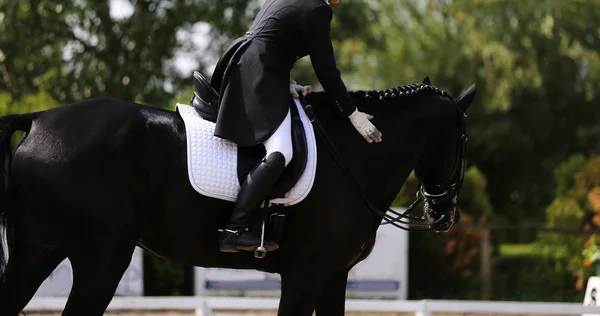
205,306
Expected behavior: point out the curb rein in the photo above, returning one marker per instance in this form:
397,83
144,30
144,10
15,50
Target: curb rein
454,188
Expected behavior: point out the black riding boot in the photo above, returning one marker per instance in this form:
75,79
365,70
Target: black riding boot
235,236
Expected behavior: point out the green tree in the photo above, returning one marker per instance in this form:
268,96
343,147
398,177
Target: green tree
76,50
577,206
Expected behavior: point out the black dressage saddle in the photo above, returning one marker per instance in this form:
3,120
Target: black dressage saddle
205,101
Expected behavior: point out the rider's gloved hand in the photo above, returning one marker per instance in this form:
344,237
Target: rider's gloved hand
361,122
295,88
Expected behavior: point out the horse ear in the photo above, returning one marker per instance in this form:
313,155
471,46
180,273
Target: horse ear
466,98
426,81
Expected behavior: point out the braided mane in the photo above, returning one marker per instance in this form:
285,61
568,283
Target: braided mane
400,92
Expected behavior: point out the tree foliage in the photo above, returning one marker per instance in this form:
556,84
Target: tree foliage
77,49
577,206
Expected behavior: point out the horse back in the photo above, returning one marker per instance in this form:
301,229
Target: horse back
96,140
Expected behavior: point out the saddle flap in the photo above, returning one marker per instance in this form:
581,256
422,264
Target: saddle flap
295,168
248,157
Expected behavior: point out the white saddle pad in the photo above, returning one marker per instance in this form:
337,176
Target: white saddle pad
212,161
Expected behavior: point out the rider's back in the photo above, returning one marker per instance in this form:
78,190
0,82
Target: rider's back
281,27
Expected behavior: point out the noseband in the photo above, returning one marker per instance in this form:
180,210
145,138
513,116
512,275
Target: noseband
450,188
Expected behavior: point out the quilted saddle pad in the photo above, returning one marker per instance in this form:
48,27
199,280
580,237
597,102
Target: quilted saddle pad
212,161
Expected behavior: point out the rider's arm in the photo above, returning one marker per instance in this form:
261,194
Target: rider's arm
320,49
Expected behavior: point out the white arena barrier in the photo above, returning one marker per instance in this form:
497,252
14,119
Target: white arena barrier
206,306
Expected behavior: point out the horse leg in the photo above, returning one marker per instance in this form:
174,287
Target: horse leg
28,266
300,293
97,271
333,298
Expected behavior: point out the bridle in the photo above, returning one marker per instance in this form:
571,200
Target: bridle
450,188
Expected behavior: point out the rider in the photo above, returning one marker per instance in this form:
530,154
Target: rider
253,79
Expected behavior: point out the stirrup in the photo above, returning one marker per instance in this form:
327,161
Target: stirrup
261,251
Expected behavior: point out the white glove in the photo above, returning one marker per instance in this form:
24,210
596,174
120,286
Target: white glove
362,124
295,88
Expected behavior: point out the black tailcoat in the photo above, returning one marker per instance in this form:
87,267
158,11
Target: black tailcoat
253,75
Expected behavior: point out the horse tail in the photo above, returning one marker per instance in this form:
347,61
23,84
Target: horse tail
8,125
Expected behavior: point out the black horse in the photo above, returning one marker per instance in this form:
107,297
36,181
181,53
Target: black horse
91,180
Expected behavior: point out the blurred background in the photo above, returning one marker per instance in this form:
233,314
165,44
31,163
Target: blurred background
531,199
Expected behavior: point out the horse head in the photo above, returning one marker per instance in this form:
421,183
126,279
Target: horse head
440,169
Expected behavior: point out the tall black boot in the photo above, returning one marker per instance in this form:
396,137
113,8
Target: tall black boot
235,236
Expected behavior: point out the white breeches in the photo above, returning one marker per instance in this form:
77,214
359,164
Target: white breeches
281,140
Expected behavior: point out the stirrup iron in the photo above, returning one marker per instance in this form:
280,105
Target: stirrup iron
261,251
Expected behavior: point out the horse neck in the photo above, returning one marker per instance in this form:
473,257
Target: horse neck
382,168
